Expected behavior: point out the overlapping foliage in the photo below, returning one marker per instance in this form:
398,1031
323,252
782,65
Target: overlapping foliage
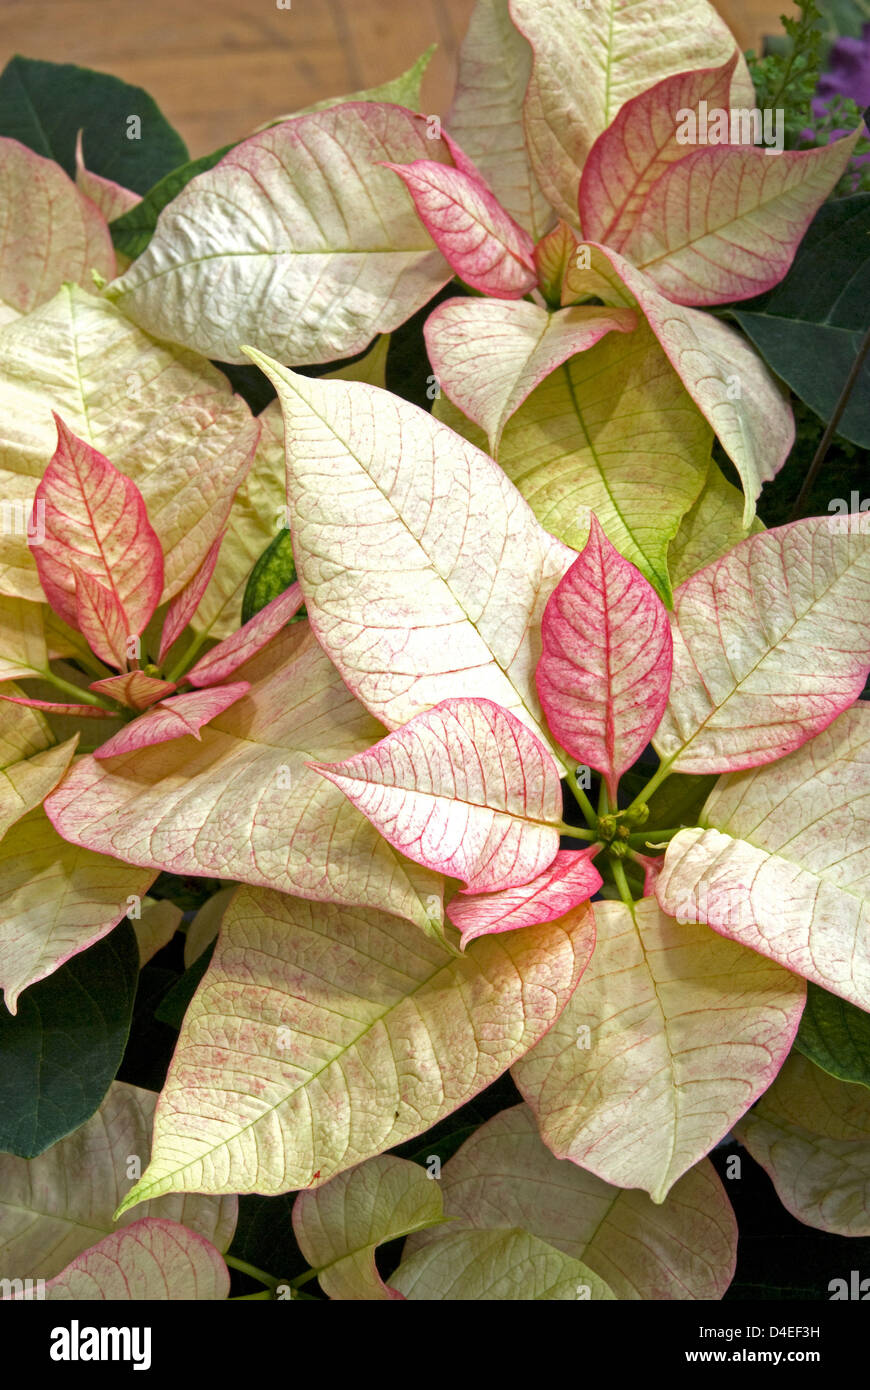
435,842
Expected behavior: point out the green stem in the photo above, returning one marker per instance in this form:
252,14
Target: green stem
90,663
662,771
251,1297
193,647
638,840
82,653
619,878
582,800
572,831
603,800
304,1278
260,1275
86,697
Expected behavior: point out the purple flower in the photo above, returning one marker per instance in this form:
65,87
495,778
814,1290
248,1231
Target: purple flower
848,73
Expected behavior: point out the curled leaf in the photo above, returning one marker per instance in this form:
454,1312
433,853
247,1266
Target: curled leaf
185,604
486,115
571,879
339,1226
133,688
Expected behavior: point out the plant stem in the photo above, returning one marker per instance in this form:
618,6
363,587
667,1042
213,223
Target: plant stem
582,800
86,697
830,428
622,884
260,1275
662,771
251,1297
572,832
603,802
90,663
650,837
193,647
304,1278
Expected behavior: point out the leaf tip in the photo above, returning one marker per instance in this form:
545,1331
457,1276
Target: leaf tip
132,1199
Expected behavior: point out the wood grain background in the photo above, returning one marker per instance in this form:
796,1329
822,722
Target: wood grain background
220,68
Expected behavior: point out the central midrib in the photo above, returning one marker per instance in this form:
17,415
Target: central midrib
430,564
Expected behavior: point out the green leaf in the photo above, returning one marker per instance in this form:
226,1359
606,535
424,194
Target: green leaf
59,1053
264,1235
340,1226
274,572
497,1266
843,18
44,105
132,231
403,90
614,430
679,801
836,1036
809,327
173,1005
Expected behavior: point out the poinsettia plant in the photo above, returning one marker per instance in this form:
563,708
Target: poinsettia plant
442,686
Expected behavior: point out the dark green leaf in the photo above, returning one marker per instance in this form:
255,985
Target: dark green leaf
678,801
835,1035
132,232
844,18
809,327
173,1006
44,105
151,1043
264,1236
274,572
60,1052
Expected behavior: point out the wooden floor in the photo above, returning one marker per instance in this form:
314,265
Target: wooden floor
219,68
